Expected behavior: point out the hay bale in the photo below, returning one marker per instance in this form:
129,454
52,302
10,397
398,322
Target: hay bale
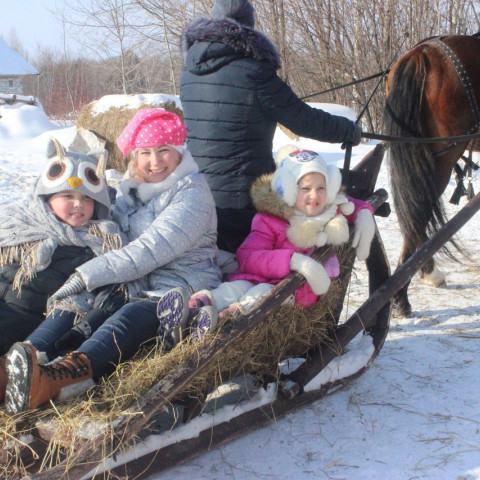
109,115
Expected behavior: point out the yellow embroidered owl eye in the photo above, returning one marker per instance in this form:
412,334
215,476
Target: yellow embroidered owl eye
91,181
57,172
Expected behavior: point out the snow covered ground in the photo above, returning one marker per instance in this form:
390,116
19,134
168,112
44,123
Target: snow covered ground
413,415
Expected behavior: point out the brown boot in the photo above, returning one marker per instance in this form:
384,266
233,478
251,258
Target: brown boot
3,378
31,385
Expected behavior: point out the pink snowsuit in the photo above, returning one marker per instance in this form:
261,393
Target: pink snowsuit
264,256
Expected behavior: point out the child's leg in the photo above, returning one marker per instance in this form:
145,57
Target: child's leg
15,325
121,336
230,292
43,338
253,294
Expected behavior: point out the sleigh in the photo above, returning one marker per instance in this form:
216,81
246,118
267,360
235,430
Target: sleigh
204,388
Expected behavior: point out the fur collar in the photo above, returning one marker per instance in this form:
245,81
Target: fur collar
244,40
132,188
304,232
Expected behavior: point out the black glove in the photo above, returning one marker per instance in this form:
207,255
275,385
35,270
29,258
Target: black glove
111,297
356,137
82,330
108,300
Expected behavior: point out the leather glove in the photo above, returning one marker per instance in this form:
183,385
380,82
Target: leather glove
111,297
314,273
356,137
364,233
74,284
82,330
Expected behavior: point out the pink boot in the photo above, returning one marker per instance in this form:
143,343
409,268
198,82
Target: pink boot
232,311
203,298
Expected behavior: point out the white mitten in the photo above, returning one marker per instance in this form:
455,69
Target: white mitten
364,233
313,272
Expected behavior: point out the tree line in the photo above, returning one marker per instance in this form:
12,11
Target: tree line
133,46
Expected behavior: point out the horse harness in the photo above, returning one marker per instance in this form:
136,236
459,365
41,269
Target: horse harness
460,172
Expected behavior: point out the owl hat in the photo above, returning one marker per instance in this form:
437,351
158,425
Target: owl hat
77,172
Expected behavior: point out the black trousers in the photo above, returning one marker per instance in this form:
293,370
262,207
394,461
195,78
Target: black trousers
16,325
233,227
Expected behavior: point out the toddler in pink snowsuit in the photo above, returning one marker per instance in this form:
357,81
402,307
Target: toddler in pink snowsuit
299,209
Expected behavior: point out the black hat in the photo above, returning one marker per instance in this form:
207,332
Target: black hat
239,10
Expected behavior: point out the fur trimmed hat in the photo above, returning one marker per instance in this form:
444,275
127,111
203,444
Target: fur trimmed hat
150,127
293,163
241,11
77,172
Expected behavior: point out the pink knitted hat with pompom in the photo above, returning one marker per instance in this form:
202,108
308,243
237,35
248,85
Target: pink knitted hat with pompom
150,127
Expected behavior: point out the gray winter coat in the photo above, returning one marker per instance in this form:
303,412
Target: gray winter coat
171,227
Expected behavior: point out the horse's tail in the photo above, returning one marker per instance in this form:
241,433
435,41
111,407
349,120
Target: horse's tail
415,193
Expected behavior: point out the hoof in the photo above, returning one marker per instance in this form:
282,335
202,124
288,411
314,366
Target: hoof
435,278
402,308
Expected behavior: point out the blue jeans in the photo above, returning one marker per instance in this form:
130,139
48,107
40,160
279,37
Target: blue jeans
121,336
117,339
43,338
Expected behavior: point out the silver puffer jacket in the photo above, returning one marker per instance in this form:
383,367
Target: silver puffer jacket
171,227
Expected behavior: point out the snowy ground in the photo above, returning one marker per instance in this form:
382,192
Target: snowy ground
413,415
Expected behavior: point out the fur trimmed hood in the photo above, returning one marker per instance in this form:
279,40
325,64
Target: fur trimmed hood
330,227
245,41
265,200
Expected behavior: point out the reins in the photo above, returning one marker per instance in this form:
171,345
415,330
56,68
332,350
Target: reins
356,82
390,138
348,145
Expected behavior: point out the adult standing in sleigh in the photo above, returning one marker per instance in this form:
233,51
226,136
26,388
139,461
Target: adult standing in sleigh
232,100
166,210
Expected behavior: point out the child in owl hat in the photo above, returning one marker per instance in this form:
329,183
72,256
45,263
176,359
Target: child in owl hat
299,209
63,222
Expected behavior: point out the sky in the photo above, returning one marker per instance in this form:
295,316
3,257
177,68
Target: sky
413,415
33,22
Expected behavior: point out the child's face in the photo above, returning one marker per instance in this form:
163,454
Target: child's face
73,208
155,164
312,194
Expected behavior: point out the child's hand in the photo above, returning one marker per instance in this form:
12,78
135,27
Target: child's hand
313,272
364,232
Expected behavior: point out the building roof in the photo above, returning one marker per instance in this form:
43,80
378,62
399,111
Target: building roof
12,63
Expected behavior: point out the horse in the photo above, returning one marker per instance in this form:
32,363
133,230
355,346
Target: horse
433,90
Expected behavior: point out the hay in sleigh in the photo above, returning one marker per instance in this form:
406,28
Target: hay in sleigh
108,124
286,332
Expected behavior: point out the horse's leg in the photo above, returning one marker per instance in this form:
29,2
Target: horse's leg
431,275
400,300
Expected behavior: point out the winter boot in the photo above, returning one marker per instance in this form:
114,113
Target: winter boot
172,313
31,385
204,321
229,313
200,299
3,377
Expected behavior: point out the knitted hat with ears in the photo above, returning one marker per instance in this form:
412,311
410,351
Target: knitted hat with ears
77,172
292,164
239,10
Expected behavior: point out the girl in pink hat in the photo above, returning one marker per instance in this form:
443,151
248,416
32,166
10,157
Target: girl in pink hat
165,208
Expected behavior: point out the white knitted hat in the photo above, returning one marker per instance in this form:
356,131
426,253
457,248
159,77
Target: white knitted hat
293,163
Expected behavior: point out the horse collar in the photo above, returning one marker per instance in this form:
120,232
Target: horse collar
464,78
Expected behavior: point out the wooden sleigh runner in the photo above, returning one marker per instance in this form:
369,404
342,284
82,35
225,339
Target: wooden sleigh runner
267,392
